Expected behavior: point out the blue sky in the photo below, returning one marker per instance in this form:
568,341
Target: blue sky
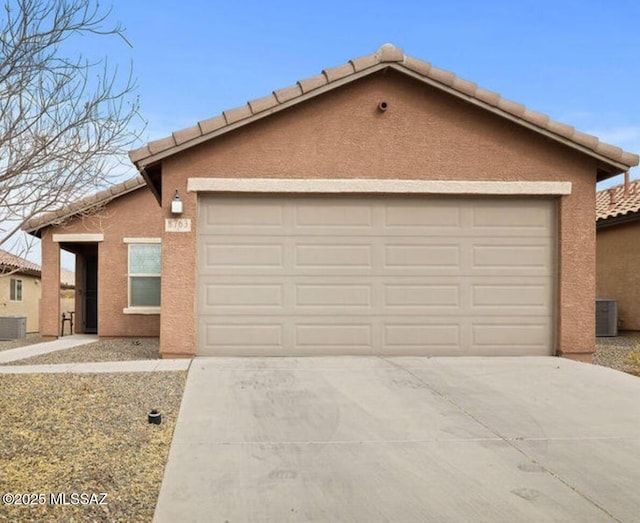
577,61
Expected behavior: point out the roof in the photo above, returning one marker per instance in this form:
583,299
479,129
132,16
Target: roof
612,158
84,205
12,263
67,279
612,203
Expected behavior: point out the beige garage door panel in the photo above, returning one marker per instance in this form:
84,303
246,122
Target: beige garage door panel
370,275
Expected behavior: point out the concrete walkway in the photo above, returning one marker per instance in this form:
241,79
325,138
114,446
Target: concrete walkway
101,367
342,439
66,342
77,340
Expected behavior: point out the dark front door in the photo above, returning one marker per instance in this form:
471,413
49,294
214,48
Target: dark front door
91,294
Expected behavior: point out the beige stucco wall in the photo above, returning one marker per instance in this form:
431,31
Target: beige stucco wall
424,135
136,214
30,304
618,271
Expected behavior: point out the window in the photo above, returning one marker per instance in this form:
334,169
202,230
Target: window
16,290
144,275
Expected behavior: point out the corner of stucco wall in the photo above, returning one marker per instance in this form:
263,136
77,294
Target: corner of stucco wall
178,329
577,271
50,281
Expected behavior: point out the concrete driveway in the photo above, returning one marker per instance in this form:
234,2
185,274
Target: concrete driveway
404,440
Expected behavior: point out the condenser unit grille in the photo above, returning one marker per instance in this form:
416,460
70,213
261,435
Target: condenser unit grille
606,317
13,327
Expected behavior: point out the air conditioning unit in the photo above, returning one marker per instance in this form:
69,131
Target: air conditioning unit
13,327
606,317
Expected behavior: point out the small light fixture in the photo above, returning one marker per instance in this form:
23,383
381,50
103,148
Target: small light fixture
176,204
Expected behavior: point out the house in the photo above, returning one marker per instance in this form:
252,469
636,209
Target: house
618,250
384,206
20,289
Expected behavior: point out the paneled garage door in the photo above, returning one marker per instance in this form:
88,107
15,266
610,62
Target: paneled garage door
327,274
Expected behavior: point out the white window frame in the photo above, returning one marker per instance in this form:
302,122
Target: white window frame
130,309
16,287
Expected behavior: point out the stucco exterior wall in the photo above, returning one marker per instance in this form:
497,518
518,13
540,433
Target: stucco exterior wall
133,215
30,304
425,135
618,271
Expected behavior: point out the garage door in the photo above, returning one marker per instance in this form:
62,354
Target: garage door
325,274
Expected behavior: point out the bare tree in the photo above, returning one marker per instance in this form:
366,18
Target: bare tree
65,118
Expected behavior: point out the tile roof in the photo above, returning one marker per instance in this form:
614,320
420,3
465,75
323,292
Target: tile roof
387,56
12,263
84,205
612,202
67,278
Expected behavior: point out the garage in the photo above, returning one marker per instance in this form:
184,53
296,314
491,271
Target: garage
327,274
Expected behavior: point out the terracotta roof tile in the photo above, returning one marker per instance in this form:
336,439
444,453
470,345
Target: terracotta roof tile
288,93
237,114
139,154
585,139
309,84
364,62
536,118
464,86
386,56
487,96
417,66
335,73
184,135
389,53
612,202
560,129
513,108
163,144
83,205
263,104
12,263
212,124
442,76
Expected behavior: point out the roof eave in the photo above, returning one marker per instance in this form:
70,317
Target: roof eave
39,225
618,219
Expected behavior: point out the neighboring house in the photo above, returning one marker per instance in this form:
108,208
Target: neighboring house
381,207
20,289
618,250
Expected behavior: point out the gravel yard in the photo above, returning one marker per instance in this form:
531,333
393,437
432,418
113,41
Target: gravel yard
105,349
621,352
86,433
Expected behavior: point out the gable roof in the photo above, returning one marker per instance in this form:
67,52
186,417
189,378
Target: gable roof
12,263
612,203
612,160
84,205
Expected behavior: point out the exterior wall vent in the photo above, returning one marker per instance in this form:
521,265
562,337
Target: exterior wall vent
606,317
13,327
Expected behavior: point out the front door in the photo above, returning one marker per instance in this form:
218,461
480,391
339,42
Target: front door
90,303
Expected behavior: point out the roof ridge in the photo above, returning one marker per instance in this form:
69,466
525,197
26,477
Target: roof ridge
386,55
